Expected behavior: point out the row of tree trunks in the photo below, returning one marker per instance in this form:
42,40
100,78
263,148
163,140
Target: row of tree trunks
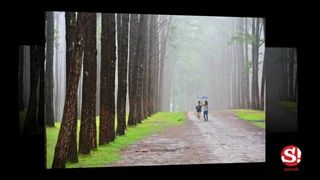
34,134
68,123
81,50
81,56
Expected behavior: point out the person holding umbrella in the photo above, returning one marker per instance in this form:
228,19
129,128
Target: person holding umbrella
205,110
205,107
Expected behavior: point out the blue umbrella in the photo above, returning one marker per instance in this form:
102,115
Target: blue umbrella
204,97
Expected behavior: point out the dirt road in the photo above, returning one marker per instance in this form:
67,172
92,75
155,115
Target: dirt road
222,139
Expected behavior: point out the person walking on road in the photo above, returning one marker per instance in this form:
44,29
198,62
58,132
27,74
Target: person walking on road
198,107
205,110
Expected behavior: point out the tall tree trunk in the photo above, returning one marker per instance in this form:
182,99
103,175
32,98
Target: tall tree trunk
122,25
263,81
163,48
241,66
238,70
72,155
41,56
143,22
34,127
87,138
31,117
262,93
79,94
49,71
255,59
285,76
107,79
20,85
157,66
296,87
41,119
233,72
94,54
291,69
151,62
296,77
68,123
57,82
93,47
256,77
138,70
98,40
168,73
133,69
247,69
26,76
148,58
144,70
253,98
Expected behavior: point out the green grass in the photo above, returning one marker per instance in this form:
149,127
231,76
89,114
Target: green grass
288,104
52,136
23,114
252,116
110,153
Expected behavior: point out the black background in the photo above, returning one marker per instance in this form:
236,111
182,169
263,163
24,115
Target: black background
286,26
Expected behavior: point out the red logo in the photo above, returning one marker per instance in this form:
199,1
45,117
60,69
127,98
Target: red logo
291,155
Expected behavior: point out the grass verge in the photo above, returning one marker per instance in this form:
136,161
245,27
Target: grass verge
253,116
110,153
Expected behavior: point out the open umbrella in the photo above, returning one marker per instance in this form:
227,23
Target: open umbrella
204,97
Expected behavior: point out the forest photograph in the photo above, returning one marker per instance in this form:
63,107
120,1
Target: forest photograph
116,89
282,87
